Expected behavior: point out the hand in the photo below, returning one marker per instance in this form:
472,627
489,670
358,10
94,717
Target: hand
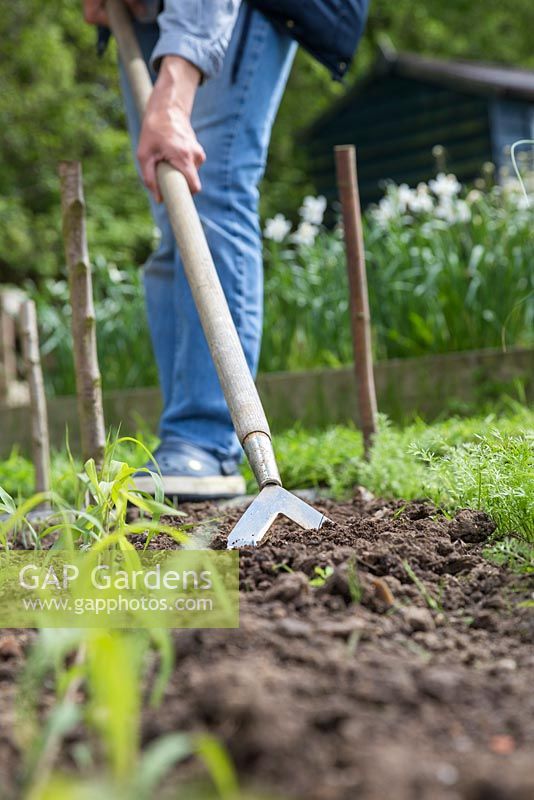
166,133
94,11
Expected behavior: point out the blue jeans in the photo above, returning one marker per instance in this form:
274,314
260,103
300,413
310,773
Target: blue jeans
232,117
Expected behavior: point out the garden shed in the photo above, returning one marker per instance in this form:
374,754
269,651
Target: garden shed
407,105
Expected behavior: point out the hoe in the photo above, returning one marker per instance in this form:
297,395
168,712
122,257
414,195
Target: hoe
236,380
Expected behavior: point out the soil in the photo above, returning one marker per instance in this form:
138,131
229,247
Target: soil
407,674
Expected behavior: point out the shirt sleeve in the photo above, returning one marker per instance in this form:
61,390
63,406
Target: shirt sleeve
197,30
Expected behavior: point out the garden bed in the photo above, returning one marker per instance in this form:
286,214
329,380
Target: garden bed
405,671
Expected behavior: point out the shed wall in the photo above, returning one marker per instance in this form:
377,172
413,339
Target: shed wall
394,123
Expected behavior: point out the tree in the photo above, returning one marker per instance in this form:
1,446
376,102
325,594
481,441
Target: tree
59,101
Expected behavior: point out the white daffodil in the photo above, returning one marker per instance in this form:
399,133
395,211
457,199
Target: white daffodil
421,201
305,234
445,211
404,197
515,192
312,209
385,211
277,228
474,196
445,186
462,211
453,211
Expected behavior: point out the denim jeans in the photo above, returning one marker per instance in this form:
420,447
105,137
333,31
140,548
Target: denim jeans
232,117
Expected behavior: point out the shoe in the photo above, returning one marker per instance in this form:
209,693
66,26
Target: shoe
190,473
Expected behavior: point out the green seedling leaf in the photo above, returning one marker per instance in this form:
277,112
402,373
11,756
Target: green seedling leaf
114,662
7,504
158,758
164,646
153,507
429,599
281,568
61,720
218,764
153,528
322,574
355,587
92,476
20,513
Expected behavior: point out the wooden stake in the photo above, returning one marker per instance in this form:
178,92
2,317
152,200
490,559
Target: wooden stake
34,375
8,363
88,379
359,299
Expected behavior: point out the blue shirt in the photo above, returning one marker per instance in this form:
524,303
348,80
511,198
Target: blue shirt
197,30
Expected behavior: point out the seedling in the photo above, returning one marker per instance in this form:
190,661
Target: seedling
281,568
109,666
321,575
429,599
355,587
111,672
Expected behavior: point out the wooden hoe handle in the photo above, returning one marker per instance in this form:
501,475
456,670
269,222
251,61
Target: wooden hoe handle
237,383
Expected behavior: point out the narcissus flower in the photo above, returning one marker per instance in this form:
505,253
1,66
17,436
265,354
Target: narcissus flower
277,228
312,209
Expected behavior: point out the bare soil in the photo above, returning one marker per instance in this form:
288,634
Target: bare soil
372,685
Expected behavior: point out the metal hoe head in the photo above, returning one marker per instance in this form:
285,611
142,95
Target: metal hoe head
273,501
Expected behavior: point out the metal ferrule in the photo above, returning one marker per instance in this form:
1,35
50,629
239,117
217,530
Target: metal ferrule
259,451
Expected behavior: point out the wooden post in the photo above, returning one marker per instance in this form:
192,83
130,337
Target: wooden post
88,379
360,317
8,363
34,375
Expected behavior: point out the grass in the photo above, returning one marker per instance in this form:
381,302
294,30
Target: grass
483,462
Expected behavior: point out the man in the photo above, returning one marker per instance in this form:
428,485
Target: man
219,69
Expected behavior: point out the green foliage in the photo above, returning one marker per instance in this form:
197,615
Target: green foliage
455,276
59,101
306,312
96,512
444,274
483,462
114,676
111,491
456,29
124,347
494,473
110,665
17,473
65,103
